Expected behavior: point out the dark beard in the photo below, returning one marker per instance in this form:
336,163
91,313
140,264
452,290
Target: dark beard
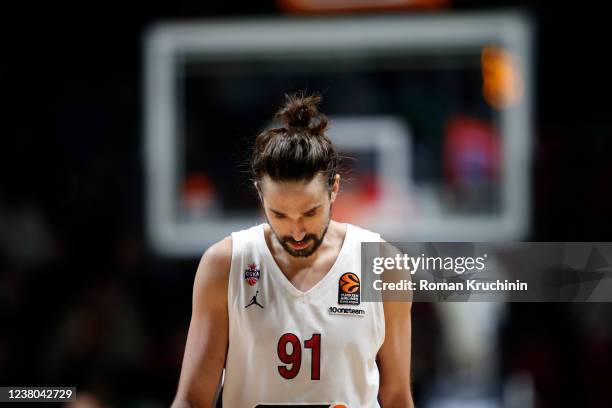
306,252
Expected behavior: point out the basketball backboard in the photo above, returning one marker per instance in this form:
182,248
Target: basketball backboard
436,110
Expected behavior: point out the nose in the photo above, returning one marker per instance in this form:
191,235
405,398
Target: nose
298,232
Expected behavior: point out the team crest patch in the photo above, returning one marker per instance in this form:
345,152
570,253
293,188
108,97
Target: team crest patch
252,274
348,289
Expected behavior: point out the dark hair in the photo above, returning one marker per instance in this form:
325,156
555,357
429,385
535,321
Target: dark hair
299,149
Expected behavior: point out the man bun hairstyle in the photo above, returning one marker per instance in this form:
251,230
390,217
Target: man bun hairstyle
301,112
299,149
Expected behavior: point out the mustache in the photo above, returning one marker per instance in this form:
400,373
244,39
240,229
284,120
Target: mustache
309,237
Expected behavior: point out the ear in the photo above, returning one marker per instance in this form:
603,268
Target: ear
335,188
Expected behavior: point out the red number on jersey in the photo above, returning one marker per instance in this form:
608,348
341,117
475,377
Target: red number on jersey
295,357
314,343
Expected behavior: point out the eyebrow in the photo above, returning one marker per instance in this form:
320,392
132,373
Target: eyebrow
305,212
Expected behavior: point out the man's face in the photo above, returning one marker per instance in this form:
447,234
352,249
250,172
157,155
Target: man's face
298,212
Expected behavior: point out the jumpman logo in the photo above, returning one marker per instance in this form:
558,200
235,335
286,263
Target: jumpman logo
254,301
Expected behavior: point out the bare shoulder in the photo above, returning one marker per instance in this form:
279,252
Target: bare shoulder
388,249
220,253
213,270
396,305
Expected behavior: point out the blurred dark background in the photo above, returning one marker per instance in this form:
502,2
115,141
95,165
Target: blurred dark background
83,299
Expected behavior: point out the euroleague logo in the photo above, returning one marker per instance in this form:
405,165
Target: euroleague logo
348,289
252,274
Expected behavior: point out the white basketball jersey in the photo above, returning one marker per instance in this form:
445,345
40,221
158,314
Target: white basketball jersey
286,347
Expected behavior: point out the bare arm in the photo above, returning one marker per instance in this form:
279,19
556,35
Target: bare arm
207,339
394,357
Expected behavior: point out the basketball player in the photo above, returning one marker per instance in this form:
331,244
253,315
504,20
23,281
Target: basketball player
277,305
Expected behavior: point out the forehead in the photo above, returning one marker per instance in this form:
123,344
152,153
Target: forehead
293,195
